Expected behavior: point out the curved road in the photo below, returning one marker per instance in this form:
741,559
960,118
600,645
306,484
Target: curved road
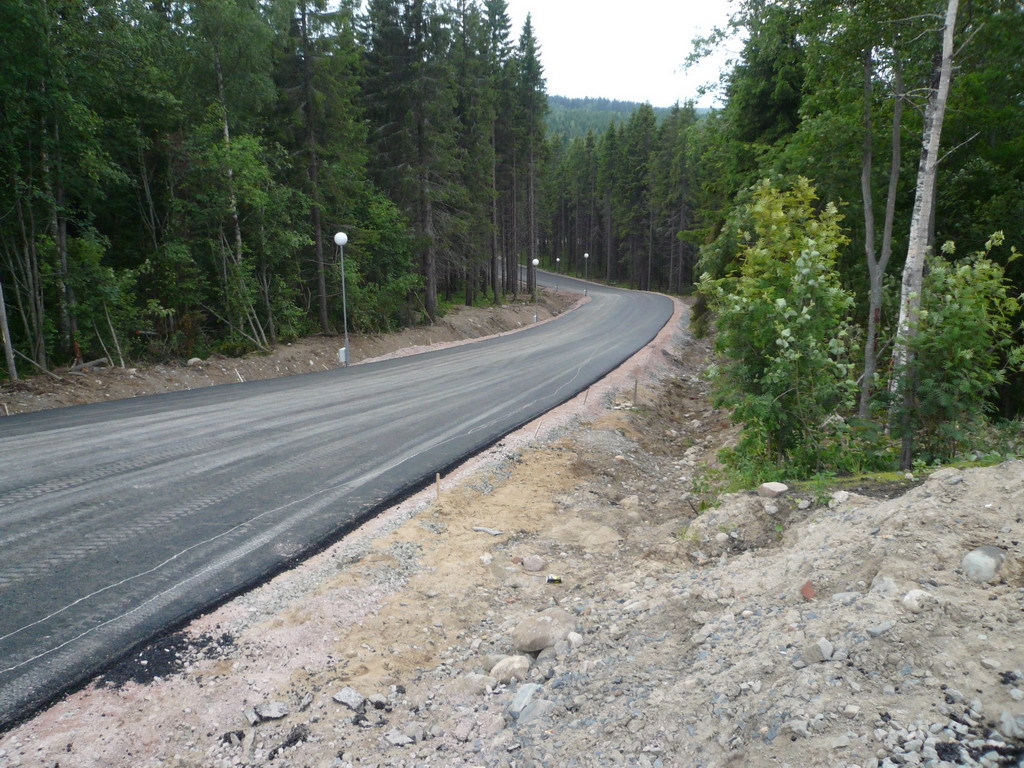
119,520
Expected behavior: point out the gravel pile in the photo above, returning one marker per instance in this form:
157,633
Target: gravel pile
856,640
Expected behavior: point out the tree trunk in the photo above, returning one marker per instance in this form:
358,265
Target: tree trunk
532,213
265,283
495,287
60,232
429,253
248,313
5,336
321,268
59,228
149,215
920,226
232,199
32,304
650,247
313,170
608,241
877,267
515,226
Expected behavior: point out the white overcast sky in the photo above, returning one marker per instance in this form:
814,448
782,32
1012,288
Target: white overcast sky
633,50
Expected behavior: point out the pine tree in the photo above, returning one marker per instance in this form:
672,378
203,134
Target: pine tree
318,79
531,108
410,101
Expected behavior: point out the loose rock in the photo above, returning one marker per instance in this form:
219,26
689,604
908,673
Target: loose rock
983,564
543,630
351,698
818,651
475,684
517,667
397,739
771,490
534,563
272,710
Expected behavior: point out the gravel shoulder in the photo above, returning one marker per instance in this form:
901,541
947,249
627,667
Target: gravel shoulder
575,597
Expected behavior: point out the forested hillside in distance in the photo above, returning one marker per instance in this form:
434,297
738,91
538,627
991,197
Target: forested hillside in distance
175,171
574,118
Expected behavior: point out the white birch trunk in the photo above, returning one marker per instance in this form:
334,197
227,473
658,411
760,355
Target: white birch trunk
920,226
924,197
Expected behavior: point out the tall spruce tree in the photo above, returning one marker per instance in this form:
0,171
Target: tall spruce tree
409,99
531,109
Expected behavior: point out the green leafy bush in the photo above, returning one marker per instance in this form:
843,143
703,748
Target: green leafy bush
785,338
962,352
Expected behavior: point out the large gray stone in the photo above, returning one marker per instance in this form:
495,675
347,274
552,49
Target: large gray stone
983,564
820,650
771,490
517,667
1011,727
523,697
535,710
396,738
542,630
272,710
351,698
474,684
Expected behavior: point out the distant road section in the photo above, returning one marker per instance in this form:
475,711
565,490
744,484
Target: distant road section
119,520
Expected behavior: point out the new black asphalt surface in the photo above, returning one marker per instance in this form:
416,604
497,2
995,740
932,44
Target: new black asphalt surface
120,520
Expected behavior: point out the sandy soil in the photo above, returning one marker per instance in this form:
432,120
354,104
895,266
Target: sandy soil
833,629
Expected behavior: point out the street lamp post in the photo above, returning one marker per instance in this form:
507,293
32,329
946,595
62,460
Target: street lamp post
557,260
535,262
341,238
586,265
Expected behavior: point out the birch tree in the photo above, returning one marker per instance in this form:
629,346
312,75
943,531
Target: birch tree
921,225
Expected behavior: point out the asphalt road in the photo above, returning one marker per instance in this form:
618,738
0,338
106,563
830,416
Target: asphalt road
120,520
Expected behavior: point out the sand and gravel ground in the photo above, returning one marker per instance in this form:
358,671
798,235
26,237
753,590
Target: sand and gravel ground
832,629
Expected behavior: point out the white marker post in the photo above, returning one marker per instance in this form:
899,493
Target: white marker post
341,238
